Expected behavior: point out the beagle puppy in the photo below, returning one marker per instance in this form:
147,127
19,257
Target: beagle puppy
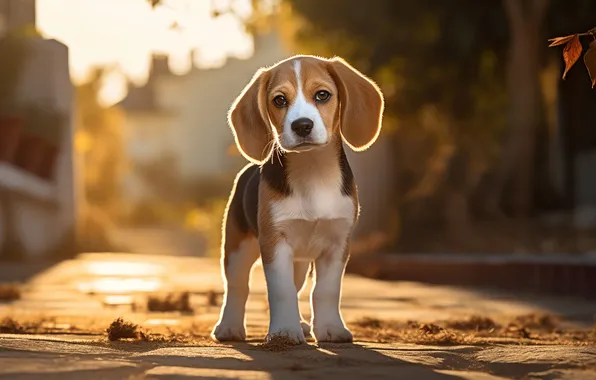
296,203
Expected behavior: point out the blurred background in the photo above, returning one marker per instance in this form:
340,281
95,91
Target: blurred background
113,133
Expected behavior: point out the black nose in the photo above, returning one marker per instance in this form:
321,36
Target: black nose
302,126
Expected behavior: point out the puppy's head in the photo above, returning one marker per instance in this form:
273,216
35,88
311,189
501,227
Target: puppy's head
304,103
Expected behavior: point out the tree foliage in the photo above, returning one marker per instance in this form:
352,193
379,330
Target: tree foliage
434,51
100,142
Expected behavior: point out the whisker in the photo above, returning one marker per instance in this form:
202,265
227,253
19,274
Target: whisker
267,146
278,153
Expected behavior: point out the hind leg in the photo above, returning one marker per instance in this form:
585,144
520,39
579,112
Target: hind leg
300,272
240,251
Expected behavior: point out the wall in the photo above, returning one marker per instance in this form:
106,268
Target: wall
43,213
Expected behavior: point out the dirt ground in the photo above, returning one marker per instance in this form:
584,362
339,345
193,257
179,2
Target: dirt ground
79,320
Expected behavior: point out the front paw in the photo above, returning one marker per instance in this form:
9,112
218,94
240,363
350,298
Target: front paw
225,332
333,333
294,334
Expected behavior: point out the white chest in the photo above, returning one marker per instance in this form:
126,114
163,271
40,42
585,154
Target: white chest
322,203
315,222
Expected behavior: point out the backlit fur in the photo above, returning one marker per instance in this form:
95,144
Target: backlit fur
298,205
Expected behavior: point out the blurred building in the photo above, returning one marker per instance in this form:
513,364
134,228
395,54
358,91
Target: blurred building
183,117
38,213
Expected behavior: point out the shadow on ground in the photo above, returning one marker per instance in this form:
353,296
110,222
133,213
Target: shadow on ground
358,361
326,361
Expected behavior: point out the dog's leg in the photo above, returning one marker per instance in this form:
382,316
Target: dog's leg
238,260
300,272
284,316
327,323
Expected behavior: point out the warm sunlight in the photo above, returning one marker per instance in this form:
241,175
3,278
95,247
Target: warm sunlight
117,277
136,241
123,34
118,285
123,268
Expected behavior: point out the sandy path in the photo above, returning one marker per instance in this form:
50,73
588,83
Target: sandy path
92,290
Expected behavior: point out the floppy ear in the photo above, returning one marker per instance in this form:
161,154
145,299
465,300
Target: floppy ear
249,120
361,103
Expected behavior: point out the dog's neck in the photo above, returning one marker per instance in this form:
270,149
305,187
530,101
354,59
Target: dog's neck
289,172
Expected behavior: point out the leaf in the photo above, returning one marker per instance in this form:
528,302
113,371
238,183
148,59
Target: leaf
590,61
571,53
561,40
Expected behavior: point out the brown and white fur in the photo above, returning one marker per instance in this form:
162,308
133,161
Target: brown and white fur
297,203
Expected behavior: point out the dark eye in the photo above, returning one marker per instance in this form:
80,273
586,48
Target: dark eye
322,96
280,101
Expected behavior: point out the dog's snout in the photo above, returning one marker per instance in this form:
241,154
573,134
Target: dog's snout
302,126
